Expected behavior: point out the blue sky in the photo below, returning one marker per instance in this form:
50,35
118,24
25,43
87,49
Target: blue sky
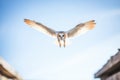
35,56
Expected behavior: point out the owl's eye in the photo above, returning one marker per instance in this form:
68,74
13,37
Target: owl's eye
63,35
59,36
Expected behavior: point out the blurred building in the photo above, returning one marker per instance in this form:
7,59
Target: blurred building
111,70
7,72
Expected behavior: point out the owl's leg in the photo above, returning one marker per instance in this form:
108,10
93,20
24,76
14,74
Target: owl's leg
64,42
58,38
59,42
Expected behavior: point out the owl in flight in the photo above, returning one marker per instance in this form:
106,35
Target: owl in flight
62,35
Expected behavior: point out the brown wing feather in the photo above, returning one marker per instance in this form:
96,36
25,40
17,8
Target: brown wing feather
81,28
40,27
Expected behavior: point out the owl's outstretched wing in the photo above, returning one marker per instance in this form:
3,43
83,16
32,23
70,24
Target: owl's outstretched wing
40,27
81,28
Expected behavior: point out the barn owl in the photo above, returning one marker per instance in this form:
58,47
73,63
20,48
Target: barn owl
62,35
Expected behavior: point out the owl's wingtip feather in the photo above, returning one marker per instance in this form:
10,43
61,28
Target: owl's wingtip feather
27,21
91,24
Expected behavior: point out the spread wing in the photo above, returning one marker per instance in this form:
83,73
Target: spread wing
40,27
81,28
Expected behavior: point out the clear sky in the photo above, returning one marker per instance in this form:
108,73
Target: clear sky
35,56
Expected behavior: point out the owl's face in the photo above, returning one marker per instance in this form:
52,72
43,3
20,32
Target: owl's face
61,35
